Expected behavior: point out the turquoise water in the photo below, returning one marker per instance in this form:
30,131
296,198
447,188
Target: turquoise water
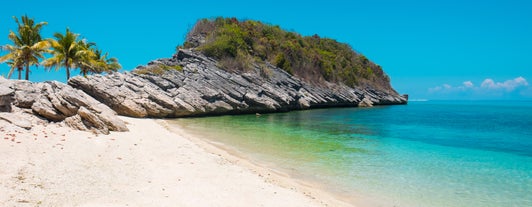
423,154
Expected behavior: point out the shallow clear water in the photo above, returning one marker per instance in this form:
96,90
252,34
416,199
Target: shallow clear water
431,153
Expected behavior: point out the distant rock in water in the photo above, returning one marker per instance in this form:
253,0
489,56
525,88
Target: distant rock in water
25,103
191,84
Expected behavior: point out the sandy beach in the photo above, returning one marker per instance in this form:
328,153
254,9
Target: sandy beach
151,165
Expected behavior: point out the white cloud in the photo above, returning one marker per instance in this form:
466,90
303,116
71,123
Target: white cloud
435,89
508,85
449,88
488,83
468,84
487,87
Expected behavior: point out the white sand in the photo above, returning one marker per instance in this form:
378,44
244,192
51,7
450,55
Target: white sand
148,166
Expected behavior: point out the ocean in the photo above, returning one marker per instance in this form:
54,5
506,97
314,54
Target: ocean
424,154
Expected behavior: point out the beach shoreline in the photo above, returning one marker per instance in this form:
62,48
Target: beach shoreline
54,165
270,174
276,173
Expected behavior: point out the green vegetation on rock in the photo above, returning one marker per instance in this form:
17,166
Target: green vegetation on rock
239,45
156,69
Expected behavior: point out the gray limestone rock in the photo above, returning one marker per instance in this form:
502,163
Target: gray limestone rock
75,122
92,121
201,88
43,107
16,120
366,102
6,98
58,102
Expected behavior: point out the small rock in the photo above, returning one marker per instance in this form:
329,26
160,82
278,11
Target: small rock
6,98
16,120
365,102
75,122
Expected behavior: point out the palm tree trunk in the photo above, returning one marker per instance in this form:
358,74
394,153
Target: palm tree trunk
20,73
10,72
27,71
67,68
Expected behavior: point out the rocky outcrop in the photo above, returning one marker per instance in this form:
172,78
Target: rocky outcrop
57,102
199,87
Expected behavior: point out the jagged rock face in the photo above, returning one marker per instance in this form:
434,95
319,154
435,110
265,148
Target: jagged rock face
58,102
201,88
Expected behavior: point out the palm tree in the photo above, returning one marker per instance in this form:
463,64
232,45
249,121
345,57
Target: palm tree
15,64
92,61
69,52
65,52
28,40
13,59
105,63
87,59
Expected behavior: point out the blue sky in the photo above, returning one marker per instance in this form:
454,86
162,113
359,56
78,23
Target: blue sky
430,49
